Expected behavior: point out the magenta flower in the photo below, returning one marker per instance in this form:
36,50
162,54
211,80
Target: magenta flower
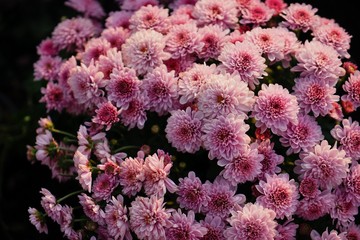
252,222
150,17
352,88
352,184
106,115
344,210
309,187
215,228
277,5
47,47
37,219
131,175
55,97
47,68
299,17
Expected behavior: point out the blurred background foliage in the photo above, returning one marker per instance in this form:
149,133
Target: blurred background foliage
23,24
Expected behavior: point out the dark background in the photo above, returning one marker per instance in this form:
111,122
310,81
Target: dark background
23,24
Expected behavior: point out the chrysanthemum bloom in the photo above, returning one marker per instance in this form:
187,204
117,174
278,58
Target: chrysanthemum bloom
73,33
148,217
116,219
157,180
192,80
47,47
47,148
349,137
314,95
116,36
277,5
279,194
47,68
90,8
91,209
118,19
85,83
245,59
352,88
135,5
106,115
183,40
94,48
291,44
131,176
271,159
50,205
107,63
103,186
135,114
327,164
314,208
335,36
222,198
215,228
286,231
64,72
213,37
55,97
309,187
87,140
37,219
319,60
275,108
258,13
182,14
353,232
143,51
223,94
160,86
208,12
302,136
183,130
350,67
83,168
252,222
224,136
184,226
352,184
326,235
299,17
245,166
150,17
344,210
336,112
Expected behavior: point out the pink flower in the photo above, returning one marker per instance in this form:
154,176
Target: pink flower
83,168
213,37
47,68
275,108
326,235
353,232
148,217
224,136
90,8
279,194
109,62
47,47
245,59
118,19
277,5
352,88
314,95
180,64
104,186
150,17
257,13
46,147
106,114
131,176
252,222
91,209
302,136
348,137
135,113
309,187
37,219
191,193
352,184
286,231
94,48
183,130
208,12
50,205
344,210
325,163
299,16
116,36
55,96
143,51
184,227
215,228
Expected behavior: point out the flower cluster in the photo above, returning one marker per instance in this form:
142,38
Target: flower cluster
200,120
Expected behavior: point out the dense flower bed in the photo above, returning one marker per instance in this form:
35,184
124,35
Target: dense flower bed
199,120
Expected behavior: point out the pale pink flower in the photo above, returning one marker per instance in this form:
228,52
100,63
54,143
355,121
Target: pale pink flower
55,97
258,13
314,95
224,136
336,112
344,210
90,8
213,37
94,48
277,5
352,89
83,168
106,115
91,209
150,17
135,113
47,47
65,222
46,147
64,72
279,194
299,16
104,186
286,231
143,51
47,68
275,108
352,184
87,140
118,19
148,217
245,59
50,205
252,222
134,5
327,164
132,175
109,62
215,228
309,187
326,235
37,219
116,36
291,44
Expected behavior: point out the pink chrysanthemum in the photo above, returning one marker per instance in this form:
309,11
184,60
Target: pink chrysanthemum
116,219
277,5
83,168
91,209
64,72
87,139
47,47
107,63
135,114
302,136
116,36
123,87
223,94
258,13
106,115
275,108
50,205
94,48
183,226
208,12
319,60
314,95
326,235
291,44
299,17
160,87
148,217
245,166
325,163
286,231
46,147
352,88
134,5
179,65
279,194
215,228
222,198
73,33
191,193
118,19
353,232
352,184
224,136
314,208
150,17
37,219
143,51
90,8
349,137
183,130
183,40
252,222
309,187
55,96
213,37
47,68
344,210
103,186
131,176
245,59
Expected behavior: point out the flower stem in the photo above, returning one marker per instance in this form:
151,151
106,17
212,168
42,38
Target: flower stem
126,148
69,195
64,133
